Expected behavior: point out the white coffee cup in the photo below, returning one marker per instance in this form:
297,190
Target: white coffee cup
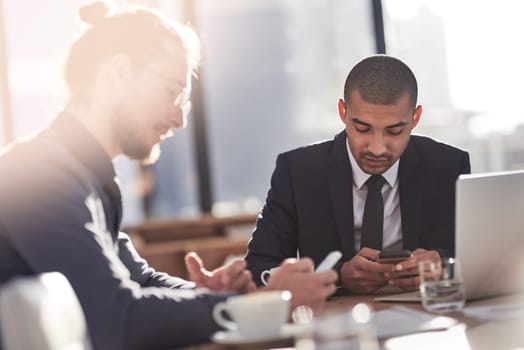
264,276
256,314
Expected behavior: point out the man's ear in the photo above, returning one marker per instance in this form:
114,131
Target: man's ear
342,110
119,70
416,116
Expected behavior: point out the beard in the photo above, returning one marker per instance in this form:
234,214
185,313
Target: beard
146,154
129,138
153,156
385,161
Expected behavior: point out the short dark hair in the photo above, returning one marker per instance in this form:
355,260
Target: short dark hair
381,79
139,32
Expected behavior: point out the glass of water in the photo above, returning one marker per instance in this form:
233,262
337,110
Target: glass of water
441,285
352,330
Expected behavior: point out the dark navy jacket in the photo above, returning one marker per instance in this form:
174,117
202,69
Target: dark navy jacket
60,211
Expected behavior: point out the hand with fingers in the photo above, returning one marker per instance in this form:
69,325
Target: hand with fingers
307,287
362,274
406,274
231,277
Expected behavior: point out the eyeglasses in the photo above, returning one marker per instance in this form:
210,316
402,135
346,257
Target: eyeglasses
182,99
183,102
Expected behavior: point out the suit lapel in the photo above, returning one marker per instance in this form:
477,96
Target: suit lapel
410,191
340,180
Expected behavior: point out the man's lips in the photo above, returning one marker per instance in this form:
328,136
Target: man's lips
162,131
375,162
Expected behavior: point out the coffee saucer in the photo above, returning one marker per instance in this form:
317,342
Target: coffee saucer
289,330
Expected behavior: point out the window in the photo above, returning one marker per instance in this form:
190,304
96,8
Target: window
271,75
467,56
273,72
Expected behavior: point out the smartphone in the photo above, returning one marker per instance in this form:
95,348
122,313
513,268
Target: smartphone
393,256
329,261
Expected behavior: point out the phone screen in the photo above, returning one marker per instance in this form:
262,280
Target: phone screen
393,256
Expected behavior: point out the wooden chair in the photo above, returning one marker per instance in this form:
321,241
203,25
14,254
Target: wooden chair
164,244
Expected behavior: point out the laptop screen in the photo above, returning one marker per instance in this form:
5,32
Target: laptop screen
489,232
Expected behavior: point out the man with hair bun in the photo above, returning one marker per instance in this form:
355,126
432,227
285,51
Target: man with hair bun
129,77
320,198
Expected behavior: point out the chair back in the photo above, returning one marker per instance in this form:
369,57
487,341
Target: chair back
42,312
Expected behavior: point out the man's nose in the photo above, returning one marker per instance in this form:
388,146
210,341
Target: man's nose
377,144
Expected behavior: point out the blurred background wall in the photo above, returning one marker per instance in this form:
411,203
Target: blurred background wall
271,75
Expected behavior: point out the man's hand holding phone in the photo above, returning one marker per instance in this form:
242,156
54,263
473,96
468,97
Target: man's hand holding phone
405,274
362,273
370,270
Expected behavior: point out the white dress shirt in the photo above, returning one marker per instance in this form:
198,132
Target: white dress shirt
392,237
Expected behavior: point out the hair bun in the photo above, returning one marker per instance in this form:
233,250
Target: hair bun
94,12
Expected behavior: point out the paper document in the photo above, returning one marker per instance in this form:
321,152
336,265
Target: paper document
407,297
496,312
400,320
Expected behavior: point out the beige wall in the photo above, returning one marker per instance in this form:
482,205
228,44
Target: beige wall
5,105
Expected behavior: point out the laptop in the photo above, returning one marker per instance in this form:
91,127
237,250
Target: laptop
489,235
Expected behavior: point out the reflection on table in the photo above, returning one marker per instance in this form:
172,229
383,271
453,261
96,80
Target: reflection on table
500,326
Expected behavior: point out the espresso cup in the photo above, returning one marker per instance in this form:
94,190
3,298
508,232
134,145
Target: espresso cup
264,276
255,315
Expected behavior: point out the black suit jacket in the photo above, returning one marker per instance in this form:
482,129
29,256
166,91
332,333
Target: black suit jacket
309,206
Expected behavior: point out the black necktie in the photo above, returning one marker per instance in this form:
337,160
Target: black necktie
373,219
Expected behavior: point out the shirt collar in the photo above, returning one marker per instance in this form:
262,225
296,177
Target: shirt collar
84,147
360,177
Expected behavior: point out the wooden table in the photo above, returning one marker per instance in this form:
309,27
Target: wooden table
469,334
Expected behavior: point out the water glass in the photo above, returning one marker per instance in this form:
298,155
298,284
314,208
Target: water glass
441,285
351,330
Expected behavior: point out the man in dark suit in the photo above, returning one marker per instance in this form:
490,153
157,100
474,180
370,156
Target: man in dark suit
319,193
